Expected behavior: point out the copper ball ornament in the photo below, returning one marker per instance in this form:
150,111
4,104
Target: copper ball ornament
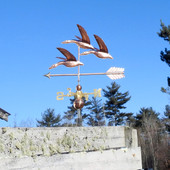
78,87
78,103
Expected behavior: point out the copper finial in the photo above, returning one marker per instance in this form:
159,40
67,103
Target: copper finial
78,87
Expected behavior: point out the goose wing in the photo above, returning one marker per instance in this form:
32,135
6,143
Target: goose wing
78,38
67,54
62,58
85,37
101,44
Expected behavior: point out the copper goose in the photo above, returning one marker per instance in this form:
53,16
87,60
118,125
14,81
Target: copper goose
102,52
83,42
69,61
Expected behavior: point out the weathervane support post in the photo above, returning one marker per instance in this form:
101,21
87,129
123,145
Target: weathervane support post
79,122
79,65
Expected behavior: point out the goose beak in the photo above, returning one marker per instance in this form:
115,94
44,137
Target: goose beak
80,63
110,56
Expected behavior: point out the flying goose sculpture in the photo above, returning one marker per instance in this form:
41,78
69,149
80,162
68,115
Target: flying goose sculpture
102,52
69,61
83,42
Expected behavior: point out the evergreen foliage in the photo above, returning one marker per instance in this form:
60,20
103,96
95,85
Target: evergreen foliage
114,104
167,111
49,119
166,120
165,56
144,115
165,32
96,115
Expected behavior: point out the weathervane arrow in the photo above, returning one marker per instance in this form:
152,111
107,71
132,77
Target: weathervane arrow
113,73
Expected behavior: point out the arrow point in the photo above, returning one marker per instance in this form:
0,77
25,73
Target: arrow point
47,75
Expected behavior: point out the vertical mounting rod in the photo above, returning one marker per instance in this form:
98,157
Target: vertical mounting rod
79,65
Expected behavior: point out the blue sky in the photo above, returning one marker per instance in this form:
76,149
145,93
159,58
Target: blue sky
31,30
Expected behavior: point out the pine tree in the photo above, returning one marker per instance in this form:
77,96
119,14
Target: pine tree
167,111
49,119
71,116
114,104
144,115
96,116
164,32
166,120
165,56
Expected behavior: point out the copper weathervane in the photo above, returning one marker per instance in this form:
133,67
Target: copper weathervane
71,61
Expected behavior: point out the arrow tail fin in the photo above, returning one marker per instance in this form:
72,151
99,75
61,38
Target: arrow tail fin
115,76
115,70
115,73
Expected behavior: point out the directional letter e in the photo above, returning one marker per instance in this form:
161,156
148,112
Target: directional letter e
97,93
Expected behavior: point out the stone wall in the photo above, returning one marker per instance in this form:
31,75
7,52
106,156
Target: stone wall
71,148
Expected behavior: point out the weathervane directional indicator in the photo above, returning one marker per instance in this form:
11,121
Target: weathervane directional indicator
71,61
113,73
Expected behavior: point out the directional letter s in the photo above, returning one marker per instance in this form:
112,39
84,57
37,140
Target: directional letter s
60,95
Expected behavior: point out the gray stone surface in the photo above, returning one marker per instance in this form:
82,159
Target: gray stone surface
121,159
69,148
